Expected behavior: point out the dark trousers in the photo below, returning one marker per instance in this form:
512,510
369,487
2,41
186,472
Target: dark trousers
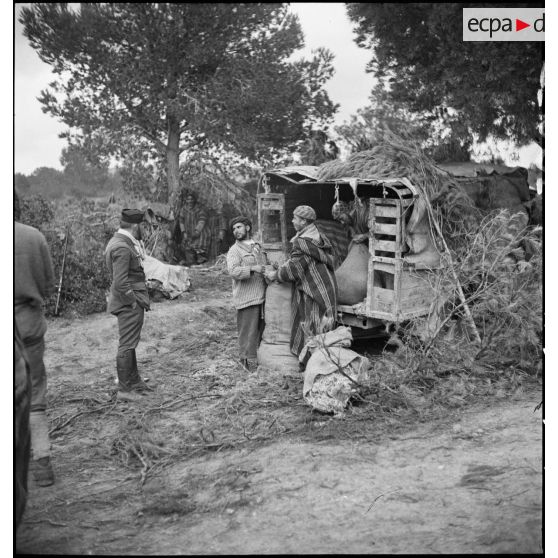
250,327
130,322
31,324
35,353
22,436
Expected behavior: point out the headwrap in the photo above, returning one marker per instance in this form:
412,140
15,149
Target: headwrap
305,212
338,208
132,215
240,219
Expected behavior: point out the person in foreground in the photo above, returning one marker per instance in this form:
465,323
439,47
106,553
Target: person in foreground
33,282
311,269
128,300
246,265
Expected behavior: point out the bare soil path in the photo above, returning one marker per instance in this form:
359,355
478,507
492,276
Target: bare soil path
219,462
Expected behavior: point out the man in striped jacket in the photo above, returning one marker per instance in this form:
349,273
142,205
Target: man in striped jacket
311,269
246,265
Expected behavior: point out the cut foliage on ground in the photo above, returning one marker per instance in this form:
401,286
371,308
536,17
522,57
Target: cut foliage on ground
216,449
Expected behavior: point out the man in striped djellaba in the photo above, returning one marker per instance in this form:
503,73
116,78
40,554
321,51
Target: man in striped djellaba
311,269
195,230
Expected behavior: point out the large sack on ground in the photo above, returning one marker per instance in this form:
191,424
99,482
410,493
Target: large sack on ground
352,275
277,357
333,371
277,313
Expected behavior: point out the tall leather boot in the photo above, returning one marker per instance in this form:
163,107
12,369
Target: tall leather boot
138,383
125,371
40,464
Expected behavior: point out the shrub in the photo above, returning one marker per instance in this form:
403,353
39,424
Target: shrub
36,211
88,228
499,266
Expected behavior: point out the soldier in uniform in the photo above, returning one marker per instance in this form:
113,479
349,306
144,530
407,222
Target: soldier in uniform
33,282
128,300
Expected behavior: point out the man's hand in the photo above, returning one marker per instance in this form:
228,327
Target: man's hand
271,274
257,268
360,238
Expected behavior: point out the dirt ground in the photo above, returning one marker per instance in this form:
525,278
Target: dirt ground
221,461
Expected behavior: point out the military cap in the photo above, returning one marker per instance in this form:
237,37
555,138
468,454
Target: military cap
305,212
132,215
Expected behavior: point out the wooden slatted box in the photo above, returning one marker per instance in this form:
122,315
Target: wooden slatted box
396,290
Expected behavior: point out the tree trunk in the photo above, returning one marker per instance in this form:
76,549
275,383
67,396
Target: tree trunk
173,179
173,167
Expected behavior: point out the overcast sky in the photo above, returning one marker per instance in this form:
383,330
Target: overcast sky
324,25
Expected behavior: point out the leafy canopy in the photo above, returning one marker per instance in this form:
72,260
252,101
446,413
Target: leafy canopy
423,63
180,76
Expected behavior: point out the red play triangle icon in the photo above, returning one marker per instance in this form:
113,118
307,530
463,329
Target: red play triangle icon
519,25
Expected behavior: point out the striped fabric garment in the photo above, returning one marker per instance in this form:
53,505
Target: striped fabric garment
338,235
248,288
190,219
311,268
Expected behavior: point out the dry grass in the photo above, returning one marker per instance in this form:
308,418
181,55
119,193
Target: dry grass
206,402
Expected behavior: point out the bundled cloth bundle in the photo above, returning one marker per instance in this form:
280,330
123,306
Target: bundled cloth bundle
170,280
333,372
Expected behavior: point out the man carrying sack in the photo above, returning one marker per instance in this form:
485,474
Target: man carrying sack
128,300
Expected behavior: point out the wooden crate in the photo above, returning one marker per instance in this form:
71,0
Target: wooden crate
396,290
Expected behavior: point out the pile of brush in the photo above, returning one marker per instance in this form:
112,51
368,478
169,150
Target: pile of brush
400,157
492,256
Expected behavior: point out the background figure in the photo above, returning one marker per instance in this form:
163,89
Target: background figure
128,300
246,265
195,230
221,233
33,282
311,269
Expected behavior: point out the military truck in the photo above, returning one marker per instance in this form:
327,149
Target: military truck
397,282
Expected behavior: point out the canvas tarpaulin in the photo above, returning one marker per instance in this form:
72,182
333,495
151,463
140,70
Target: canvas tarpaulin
171,280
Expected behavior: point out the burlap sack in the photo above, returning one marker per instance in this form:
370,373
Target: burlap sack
277,313
277,357
352,275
